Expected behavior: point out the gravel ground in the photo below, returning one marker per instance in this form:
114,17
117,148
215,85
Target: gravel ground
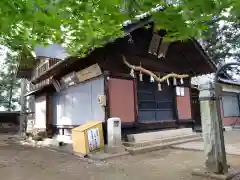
26,163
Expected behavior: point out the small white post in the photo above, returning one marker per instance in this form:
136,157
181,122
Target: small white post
114,133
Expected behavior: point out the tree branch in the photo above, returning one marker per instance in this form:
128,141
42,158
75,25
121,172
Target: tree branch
156,78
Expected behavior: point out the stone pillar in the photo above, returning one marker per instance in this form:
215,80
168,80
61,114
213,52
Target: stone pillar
209,118
114,136
114,133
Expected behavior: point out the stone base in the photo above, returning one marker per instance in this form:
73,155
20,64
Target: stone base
236,127
205,174
114,149
228,128
108,152
102,156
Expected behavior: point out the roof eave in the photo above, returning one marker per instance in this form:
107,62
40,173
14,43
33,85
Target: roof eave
205,56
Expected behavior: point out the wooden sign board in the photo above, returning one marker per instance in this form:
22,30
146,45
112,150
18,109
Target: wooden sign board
89,73
153,47
163,49
69,80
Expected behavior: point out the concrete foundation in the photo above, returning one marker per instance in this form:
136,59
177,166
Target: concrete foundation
205,174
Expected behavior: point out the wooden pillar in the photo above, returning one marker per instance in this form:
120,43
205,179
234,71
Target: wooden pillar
23,117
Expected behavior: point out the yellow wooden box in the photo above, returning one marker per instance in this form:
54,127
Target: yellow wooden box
80,137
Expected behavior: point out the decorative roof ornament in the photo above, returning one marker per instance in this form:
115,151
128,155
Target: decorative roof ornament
130,40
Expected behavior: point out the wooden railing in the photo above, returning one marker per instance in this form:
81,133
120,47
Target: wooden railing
40,84
43,66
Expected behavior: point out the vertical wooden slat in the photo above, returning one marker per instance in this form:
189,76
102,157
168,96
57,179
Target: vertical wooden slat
49,114
106,92
42,66
175,106
135,99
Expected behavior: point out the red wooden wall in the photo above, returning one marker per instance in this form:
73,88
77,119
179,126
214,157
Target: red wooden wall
121,99
184,105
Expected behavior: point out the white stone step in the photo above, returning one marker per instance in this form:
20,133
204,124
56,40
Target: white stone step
237,126
159,135
151,141
155,147
161,141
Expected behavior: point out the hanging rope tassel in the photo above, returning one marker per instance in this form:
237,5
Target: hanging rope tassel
159,84
181,80
174,81
151,79
159,87
132,73
168,83
140,76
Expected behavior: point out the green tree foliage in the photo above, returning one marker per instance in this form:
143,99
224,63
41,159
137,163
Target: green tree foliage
80,24
9,85
223,41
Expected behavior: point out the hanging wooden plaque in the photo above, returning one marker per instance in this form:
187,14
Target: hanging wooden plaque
69,80
163,48
89,73
153,47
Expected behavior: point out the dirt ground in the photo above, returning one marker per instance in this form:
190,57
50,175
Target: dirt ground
25,163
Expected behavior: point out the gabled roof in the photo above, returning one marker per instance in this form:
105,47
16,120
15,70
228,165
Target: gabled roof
128,27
